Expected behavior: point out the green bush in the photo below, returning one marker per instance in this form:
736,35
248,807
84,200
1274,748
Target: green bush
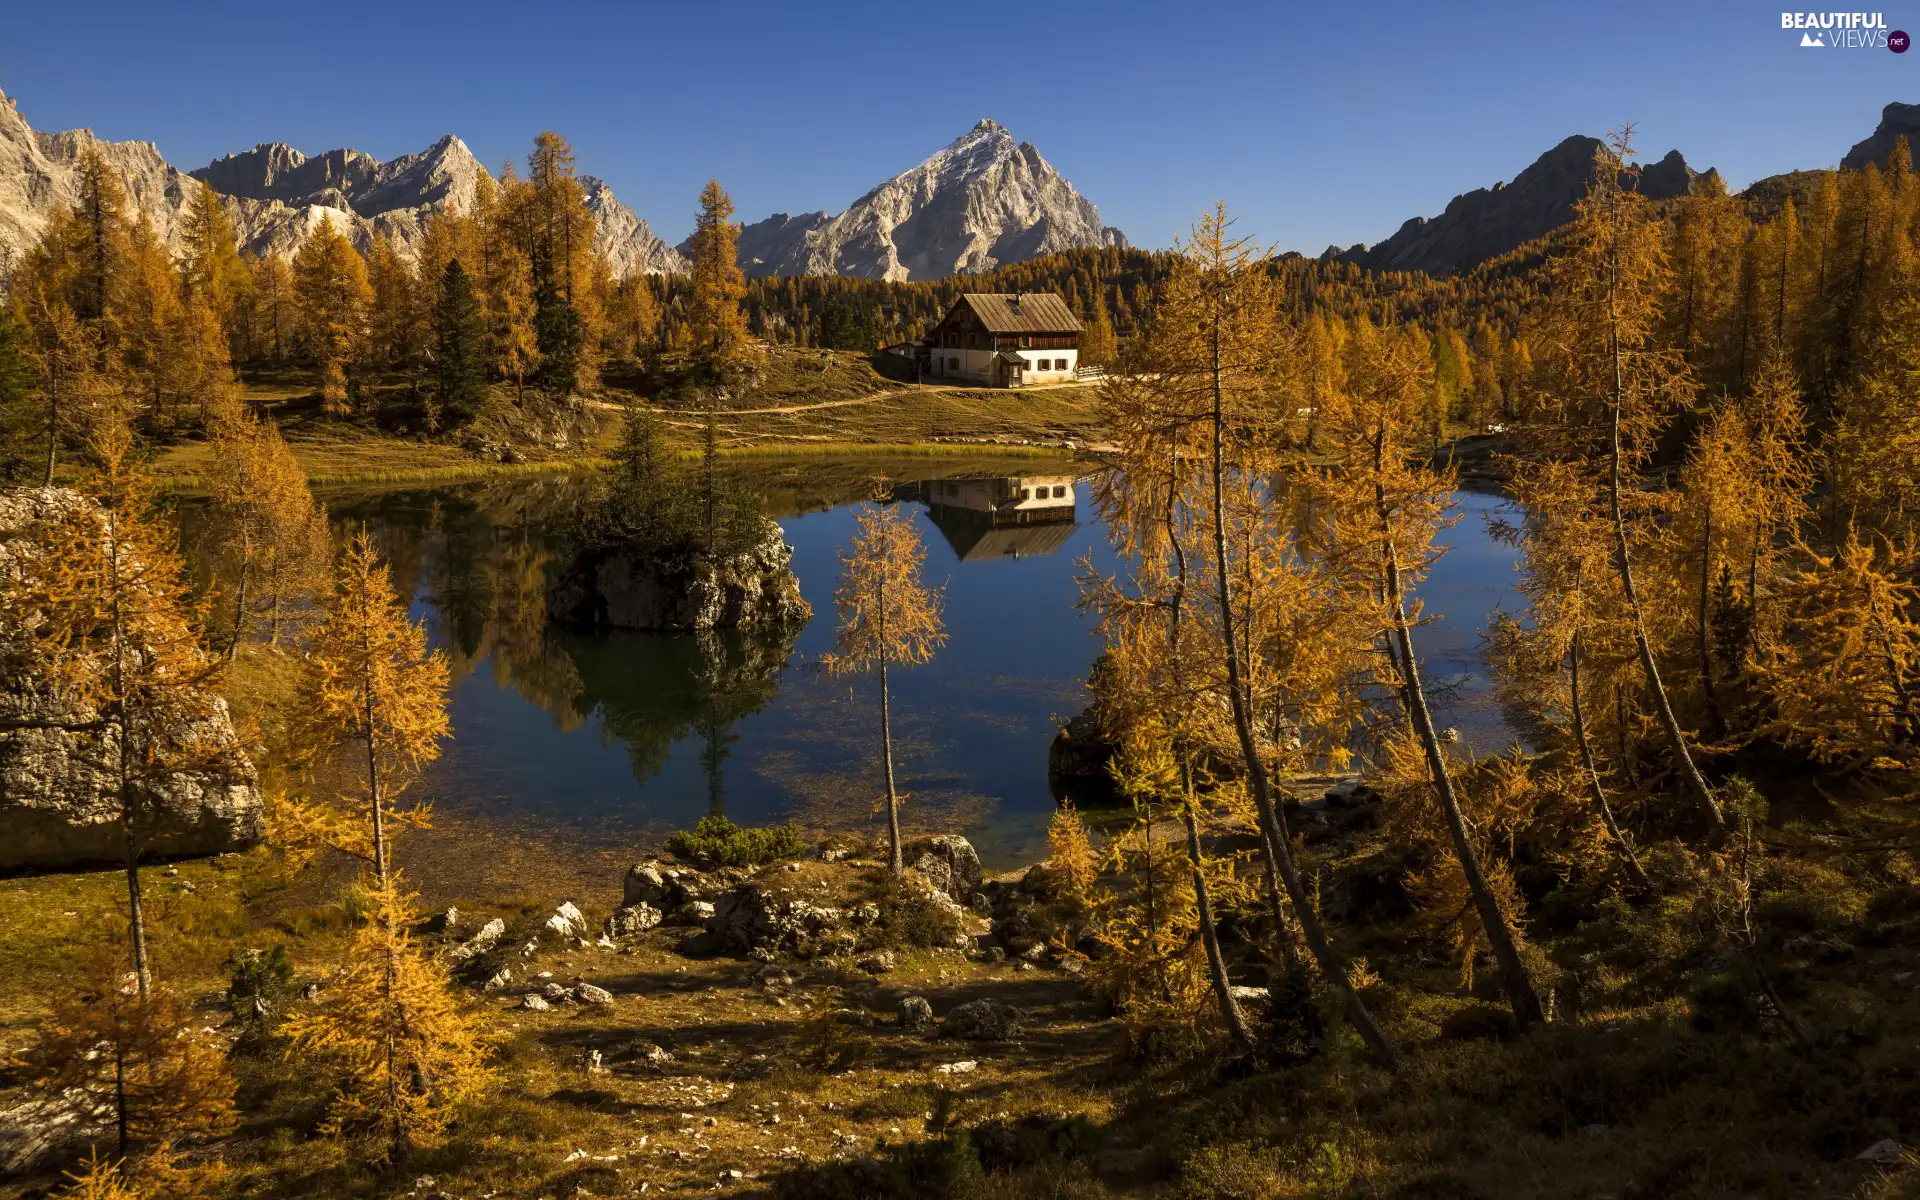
718,842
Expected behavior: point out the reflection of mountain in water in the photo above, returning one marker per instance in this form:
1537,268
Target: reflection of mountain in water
652,689
1008,516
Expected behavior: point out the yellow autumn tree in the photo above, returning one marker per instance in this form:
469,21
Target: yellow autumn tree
269,536
888,617
1384,507
377,693
406,1053
331,295
718,327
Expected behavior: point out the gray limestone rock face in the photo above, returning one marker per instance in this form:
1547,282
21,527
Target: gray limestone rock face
59,791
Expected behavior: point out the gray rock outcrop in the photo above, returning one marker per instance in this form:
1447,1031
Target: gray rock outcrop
617,589
59,796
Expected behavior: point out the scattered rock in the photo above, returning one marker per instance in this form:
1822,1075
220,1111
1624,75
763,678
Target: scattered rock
772,977
588,993
877,963
1250,995
498,980
653,1055
534,1002
1886,1152
479,943
915,1013
646,883
557,993
963,1067
984,1020
752,918
567,921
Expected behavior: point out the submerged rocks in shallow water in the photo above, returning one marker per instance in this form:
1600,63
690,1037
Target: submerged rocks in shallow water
688,591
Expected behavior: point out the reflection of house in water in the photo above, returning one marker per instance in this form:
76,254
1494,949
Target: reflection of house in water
1002,517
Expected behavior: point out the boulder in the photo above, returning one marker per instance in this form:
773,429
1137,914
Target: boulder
59,796
616,589
984,1020
915,1013
588,993
878,963
949,861
534,1002
631,920
48,1128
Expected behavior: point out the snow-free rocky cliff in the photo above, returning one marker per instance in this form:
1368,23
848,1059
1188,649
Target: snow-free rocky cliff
276,196
981,202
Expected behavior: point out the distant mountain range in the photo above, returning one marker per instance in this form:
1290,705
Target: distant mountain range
1488,222
983,201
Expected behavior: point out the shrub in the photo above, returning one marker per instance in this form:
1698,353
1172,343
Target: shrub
914,916
257,981
718,842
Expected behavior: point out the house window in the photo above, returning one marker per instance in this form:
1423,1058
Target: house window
1025,494
970,341
953,364
1060,491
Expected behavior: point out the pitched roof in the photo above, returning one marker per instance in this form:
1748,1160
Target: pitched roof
1031,312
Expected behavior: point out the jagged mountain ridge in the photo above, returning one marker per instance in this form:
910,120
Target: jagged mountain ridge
276,197
396,197
982,201
1487,222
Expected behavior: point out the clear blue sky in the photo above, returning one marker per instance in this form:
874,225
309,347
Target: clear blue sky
1323,123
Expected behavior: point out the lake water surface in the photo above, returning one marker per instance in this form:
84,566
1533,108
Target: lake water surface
626,736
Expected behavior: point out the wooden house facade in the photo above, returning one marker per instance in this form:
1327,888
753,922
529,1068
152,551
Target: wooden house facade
1003,340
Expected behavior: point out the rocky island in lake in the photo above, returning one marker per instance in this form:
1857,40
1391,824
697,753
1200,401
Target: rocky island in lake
656,553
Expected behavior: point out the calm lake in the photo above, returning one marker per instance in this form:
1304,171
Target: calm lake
622,738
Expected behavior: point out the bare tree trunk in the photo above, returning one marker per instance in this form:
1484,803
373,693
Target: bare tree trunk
895,861
1703,626
1273,827
1623,563
130,843
240,597
1513,973
1599,792
373,789
54,378
1216,962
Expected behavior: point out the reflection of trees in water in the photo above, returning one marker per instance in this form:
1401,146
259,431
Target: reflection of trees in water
481,554
652,689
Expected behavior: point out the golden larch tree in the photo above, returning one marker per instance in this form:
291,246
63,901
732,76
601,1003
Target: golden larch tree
888,617
718,327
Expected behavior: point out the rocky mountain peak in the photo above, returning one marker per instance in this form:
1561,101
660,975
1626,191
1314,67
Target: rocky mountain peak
981,201
1897,121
